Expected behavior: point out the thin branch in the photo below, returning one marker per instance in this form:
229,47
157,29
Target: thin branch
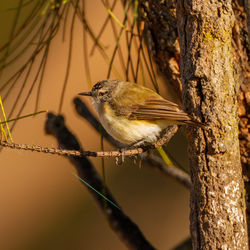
116,153
75,153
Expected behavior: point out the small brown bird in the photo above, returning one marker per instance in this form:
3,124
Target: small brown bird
133,114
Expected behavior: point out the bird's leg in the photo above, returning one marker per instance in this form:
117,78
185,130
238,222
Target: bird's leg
122,152
136,144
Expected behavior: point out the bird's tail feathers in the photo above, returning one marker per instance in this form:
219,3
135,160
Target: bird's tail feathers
196,124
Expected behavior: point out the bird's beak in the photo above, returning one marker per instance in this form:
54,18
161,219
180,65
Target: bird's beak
86,93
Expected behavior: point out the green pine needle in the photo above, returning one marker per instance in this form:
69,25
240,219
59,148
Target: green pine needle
104,197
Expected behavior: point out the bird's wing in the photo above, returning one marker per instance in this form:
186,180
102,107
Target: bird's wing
140,103
155,109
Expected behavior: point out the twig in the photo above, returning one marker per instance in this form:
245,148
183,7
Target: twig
75,153
119,221
78,153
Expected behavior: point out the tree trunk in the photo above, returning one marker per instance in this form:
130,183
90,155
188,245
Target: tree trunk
210,89
242,58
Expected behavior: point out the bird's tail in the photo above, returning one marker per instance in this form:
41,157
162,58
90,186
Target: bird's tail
196,124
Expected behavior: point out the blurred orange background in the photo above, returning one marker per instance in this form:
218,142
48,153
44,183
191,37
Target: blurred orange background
43,205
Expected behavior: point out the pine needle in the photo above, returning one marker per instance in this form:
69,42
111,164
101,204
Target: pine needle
6,123
165,157
104,197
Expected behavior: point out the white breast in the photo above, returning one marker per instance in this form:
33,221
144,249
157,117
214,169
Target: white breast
128,131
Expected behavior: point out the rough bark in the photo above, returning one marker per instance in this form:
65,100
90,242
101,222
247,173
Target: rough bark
210,89
161,35
242,56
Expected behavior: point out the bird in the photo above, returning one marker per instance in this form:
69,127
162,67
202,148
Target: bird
133,114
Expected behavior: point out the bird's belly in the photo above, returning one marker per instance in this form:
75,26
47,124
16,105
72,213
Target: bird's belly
130,131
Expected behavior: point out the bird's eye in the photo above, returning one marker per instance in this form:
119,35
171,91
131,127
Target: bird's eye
101,93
